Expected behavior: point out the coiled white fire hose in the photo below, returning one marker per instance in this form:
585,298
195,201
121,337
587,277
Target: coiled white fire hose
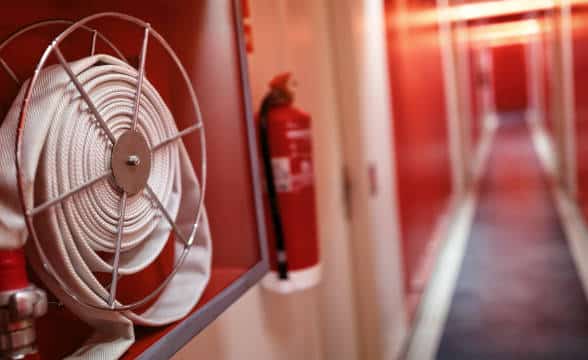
64,148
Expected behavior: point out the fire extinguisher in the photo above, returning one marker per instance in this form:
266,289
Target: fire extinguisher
286,148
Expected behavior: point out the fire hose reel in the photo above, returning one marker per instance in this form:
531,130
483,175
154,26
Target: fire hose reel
97,182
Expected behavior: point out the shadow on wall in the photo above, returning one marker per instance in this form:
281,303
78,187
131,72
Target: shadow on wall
207,345
283,313
283,333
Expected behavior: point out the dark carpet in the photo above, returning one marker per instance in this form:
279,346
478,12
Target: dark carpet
518,294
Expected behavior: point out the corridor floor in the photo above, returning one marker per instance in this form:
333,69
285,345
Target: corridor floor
518,294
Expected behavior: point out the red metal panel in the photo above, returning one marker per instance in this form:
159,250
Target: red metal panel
203,34
420,131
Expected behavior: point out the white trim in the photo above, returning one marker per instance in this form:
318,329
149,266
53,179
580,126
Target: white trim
569,140
535,115
484,94
544,148
448,62
464,94
483,151
362,66
437,298
535,81
572,220
419,282
434,308
298,280
576,232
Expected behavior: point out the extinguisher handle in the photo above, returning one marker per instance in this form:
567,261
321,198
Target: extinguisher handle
282,260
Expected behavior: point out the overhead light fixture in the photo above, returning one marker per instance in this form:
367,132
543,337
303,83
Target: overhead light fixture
506,32
474,11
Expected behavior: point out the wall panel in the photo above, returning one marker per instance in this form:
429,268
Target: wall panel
510,77
420,129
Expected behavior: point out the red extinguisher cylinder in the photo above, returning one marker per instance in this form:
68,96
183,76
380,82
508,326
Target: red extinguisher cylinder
293,168
13,274
286,149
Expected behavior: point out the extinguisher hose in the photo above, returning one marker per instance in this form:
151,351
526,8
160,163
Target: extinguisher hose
282,260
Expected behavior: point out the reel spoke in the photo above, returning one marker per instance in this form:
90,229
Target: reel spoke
166,215
9,71
186,131
93,46
116,262
84,94
140,76
110,285
60,198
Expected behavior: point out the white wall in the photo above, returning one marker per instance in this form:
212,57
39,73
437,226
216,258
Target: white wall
364,92
261,325
336,50
319,323
568,138
452,78
535,79
464,91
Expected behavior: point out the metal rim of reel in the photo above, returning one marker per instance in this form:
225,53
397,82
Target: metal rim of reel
29,210
46,23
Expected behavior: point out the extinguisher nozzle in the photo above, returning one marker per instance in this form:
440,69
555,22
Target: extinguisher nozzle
283,271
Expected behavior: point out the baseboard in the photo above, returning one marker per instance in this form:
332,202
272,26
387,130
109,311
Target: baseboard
544,148
432,310
571,216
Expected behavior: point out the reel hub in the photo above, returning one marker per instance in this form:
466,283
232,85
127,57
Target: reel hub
131,162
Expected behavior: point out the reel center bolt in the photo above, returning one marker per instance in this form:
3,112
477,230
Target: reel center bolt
133,160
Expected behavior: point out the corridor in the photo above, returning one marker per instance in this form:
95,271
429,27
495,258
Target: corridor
509,280
518,294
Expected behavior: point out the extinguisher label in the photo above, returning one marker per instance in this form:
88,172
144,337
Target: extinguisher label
292,161
291,174
282,174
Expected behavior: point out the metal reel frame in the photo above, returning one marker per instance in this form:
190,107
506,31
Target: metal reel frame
45,23
30,211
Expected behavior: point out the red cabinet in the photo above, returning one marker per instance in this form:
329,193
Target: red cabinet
207,37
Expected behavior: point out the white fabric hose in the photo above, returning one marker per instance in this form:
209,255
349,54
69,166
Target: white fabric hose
65,147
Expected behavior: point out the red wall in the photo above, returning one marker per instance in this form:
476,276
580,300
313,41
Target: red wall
420,131
510,75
